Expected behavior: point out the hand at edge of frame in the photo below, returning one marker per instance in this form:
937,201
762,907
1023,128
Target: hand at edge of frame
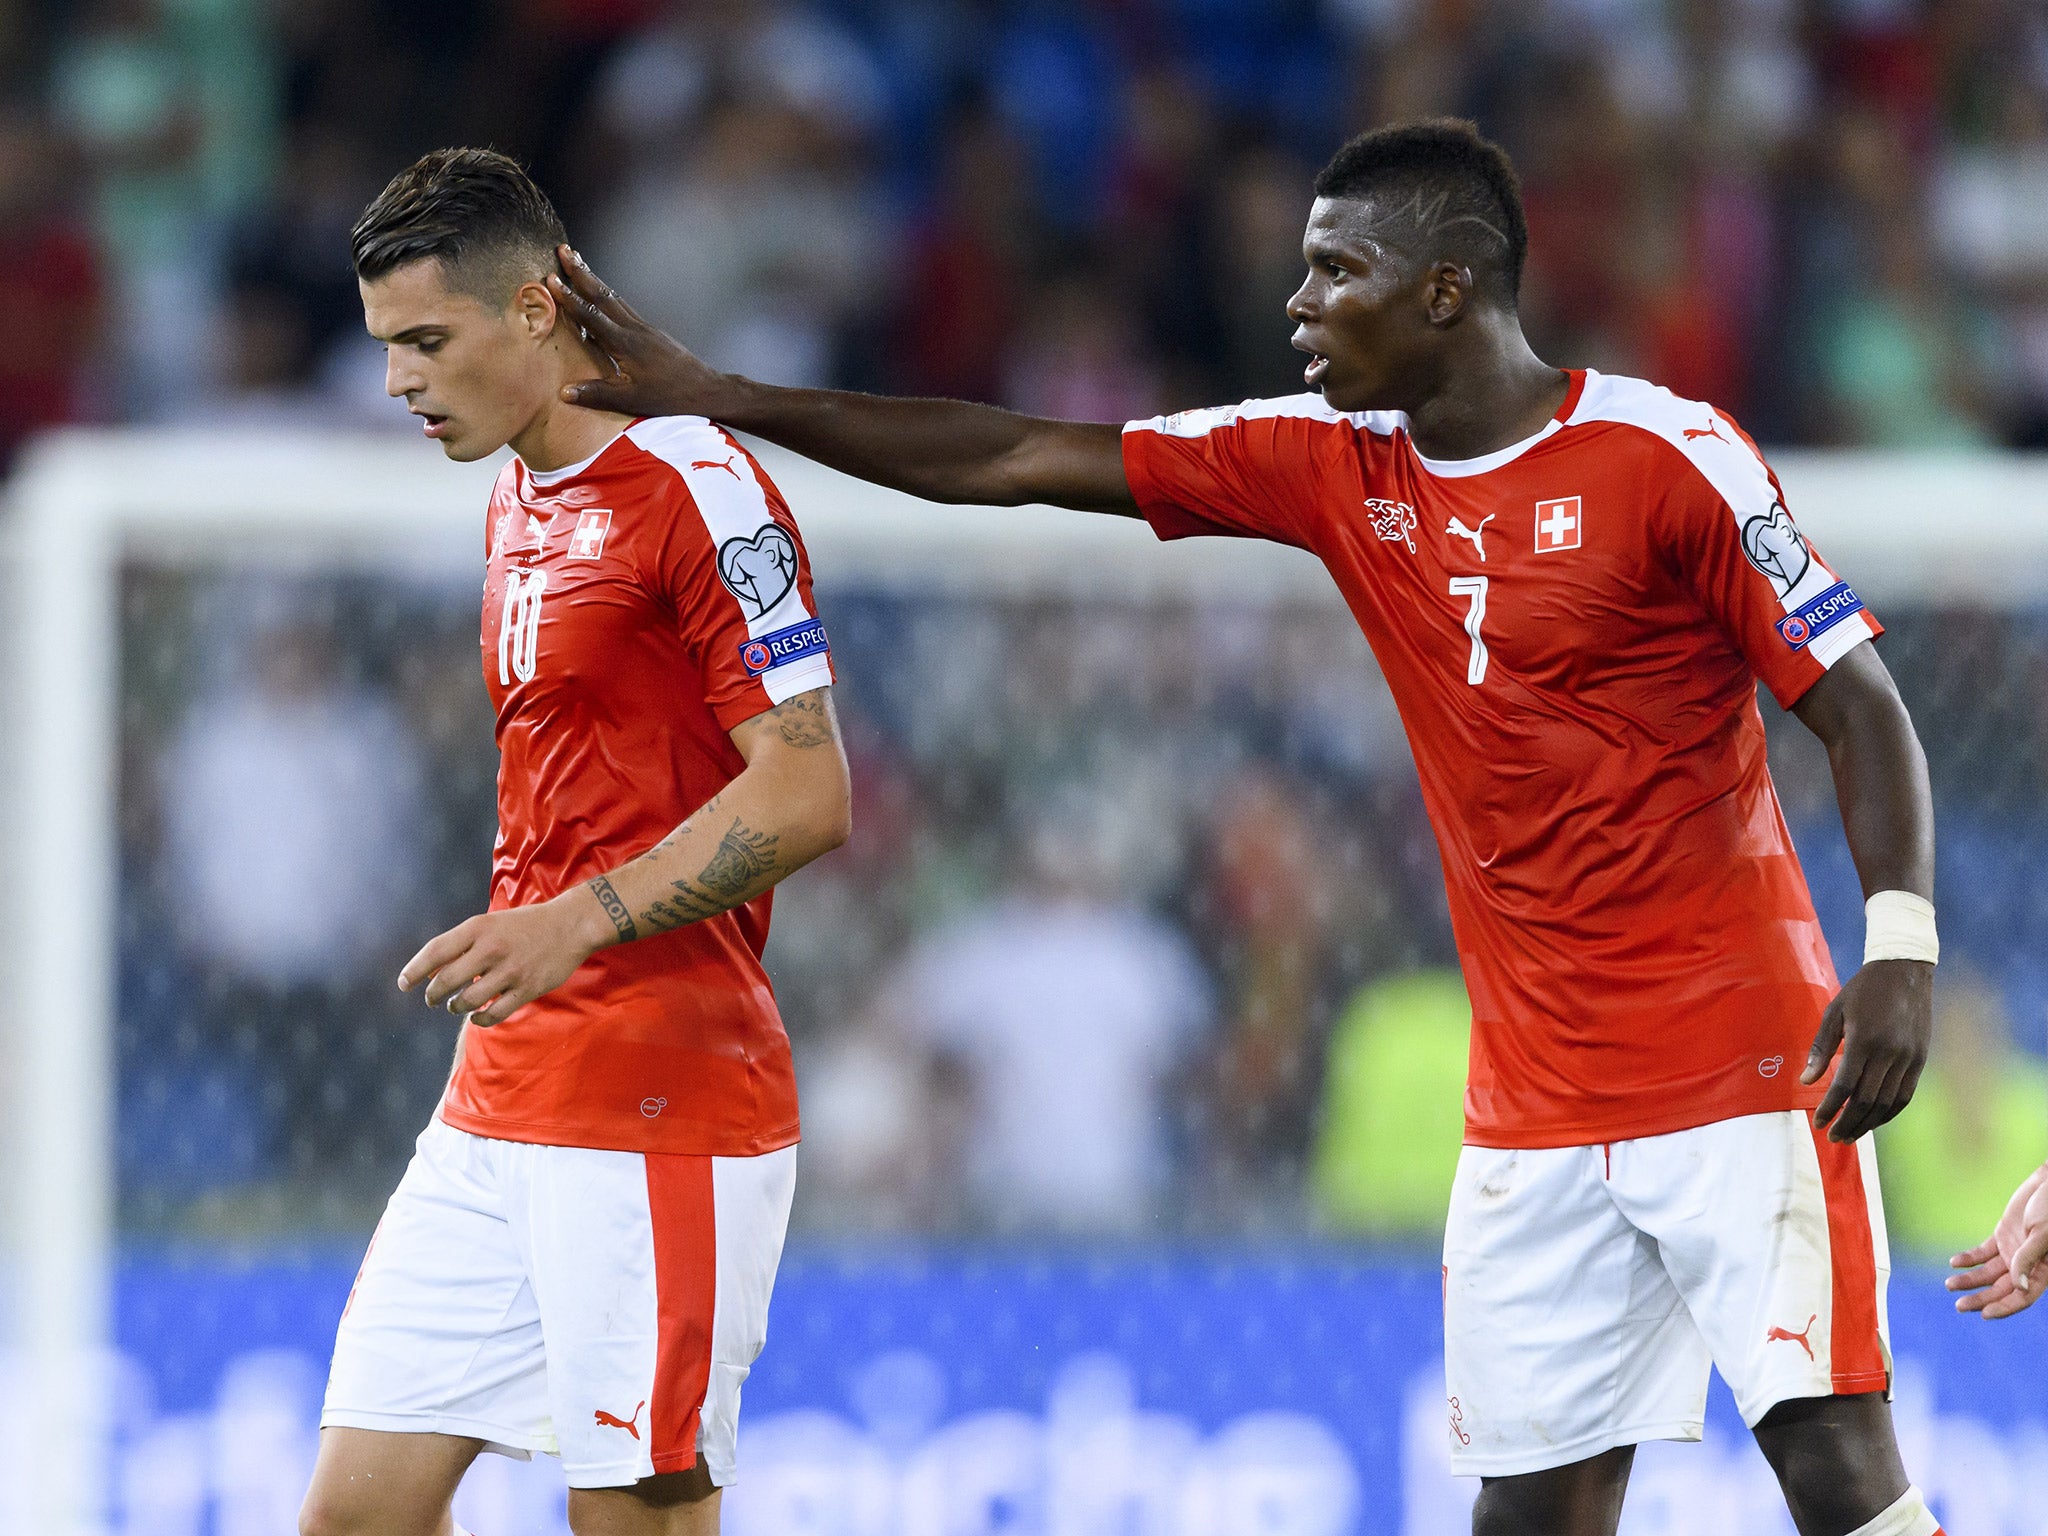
2007,1272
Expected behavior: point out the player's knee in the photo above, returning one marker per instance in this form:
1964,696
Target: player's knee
1836,1458
328,1513
1574,1500
668,1504
321,1515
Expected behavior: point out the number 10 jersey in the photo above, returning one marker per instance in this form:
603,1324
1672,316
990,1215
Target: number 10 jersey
637,607
1573,628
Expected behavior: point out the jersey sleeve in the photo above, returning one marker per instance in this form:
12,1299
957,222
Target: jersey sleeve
739,577
1245,471
1735,546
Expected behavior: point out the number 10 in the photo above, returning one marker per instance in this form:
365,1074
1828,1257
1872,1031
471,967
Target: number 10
1474,589
519,627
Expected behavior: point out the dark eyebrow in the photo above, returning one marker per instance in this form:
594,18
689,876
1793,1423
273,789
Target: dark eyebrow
1332,251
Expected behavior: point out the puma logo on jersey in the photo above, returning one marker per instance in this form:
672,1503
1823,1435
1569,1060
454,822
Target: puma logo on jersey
1711,429
1457,529
724,464
537,530
1786,1335
630,1426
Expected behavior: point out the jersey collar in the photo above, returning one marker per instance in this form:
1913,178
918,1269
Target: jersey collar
545,478
1457,469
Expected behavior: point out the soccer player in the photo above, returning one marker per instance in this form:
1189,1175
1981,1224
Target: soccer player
1573,584
579,1258
2007,1272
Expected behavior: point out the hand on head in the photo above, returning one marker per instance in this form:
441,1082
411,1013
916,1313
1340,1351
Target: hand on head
651,374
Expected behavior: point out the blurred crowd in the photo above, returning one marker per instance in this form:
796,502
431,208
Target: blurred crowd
1827,216
1141,932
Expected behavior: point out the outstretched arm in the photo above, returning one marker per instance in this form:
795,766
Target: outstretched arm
942,450
790,804
1883,1018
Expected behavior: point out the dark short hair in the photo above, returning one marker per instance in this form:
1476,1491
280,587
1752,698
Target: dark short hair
1455,190
475,211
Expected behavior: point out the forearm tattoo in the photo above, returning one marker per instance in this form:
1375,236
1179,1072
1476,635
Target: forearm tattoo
615,909
743,857
742,866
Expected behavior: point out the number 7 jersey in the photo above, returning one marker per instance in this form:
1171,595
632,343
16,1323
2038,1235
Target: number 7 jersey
1572,628
637,607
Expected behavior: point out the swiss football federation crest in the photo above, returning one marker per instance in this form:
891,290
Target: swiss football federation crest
1777,548
1560,524
592,526
759,571
1393,521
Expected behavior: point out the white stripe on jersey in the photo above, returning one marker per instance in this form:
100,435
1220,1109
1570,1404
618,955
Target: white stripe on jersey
1200,423
734,506
1730,466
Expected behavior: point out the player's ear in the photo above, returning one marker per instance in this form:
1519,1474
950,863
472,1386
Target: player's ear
1447,291
536,310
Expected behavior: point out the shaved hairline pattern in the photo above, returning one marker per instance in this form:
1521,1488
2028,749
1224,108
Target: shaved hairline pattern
1422,215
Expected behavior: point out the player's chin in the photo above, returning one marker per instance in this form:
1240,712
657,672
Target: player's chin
1340,388
1340,398
467,448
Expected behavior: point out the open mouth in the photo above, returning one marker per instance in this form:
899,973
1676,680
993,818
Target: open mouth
435,425
1318,362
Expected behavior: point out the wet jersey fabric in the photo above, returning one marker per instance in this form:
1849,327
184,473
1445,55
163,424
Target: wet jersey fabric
637,607
1573,628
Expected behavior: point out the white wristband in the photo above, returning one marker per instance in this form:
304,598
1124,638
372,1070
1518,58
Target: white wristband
1897,925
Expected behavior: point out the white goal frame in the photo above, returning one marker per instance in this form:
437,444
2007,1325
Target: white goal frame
1966,528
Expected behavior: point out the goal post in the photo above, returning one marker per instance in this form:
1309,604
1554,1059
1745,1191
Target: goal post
1930,530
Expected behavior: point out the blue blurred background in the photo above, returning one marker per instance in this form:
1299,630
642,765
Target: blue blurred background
1129,1037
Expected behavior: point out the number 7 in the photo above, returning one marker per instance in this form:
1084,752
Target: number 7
1473,588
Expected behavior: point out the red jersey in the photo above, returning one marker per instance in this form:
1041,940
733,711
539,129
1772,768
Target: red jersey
1573,628
637,607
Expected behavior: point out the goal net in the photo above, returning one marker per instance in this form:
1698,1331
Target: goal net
248,768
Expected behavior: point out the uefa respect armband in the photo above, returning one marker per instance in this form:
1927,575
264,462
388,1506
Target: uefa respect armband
1814,619
767,652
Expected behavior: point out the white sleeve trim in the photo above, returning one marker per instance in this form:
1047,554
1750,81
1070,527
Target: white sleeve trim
1833,644
786,682
1740,478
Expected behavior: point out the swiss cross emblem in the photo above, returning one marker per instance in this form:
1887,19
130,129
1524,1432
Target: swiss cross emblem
587,542
1559,524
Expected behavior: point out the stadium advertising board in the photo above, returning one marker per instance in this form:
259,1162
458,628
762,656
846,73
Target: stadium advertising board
978,1393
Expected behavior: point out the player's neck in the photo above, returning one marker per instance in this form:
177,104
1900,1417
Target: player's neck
1494,392
562,434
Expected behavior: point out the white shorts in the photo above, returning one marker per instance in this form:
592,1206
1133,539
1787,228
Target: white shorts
1587,1290
601,1306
